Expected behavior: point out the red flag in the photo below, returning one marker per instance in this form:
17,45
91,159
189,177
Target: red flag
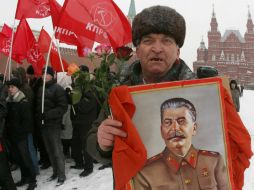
25,45
55,62
44,43
7,31
101,21
32,9
64,34
5,45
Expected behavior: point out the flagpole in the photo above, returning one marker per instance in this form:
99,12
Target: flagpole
6,67
59,54
10,53
44,77
60,58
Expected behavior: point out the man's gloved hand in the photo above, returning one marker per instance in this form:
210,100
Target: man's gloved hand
206,72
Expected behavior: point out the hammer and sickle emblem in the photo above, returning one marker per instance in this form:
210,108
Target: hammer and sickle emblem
103,17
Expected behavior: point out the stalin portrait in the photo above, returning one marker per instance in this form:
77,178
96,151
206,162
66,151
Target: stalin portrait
181,166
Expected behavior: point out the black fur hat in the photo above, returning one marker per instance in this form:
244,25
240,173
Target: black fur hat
14,81
158,20
50,71
30,70
84,68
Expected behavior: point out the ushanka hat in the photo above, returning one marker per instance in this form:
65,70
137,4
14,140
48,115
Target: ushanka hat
159,20
50,71
30,70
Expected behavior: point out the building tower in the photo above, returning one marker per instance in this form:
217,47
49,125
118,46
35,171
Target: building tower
231,54
130,16
214,37
202,52
132,12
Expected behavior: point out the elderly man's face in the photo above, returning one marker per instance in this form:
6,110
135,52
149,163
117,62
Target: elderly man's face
157,54
177,129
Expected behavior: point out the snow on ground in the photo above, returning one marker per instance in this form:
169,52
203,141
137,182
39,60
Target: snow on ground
98,180
103,180
247,115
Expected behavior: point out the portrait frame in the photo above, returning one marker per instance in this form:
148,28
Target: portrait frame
207,97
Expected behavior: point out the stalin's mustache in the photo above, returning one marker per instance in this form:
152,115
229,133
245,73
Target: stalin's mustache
175,134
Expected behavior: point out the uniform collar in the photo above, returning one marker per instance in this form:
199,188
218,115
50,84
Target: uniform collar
175,162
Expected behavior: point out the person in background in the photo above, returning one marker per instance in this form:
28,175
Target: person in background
242,88
20,73
86,110
19,128
55,105
64,80
235,92
6,180
35,83
66,133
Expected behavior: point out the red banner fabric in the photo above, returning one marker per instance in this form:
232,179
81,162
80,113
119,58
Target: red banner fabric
129,154
101,21
25,46
44,43
32,9
65,34
240,142
7,31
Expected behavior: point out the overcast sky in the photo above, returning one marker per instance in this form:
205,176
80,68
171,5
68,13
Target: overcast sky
230,14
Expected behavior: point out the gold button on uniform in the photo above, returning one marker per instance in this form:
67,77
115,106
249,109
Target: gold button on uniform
187,181
204,172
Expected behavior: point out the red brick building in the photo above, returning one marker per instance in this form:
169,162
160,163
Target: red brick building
231,54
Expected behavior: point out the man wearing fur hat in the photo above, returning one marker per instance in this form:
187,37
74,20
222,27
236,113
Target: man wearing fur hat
55,105
158,33
19,127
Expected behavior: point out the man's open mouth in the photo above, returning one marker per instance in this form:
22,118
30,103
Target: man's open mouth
156,59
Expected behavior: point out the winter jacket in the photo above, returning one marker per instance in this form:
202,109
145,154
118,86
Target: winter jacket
235,97
20,73
55,104
66,132
179,71
19,117
85,111
3,108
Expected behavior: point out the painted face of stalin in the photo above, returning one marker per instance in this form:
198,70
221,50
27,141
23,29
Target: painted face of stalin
177,129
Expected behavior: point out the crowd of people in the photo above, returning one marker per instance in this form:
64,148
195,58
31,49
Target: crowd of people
36,137
29,129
